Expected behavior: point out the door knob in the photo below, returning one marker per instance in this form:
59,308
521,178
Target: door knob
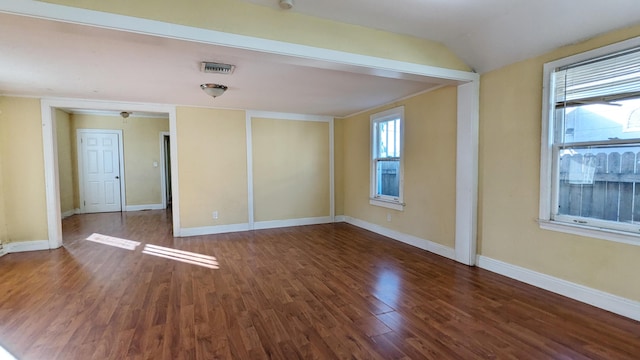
117,177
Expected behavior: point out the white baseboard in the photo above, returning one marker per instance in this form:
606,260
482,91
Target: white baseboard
143,207
613,303
340,218
68,213
210,230
36,245
259,225
3,252
423,244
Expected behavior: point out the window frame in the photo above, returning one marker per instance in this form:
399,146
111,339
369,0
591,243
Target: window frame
391,202
548,218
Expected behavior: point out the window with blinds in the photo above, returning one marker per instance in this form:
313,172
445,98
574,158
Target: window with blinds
595,117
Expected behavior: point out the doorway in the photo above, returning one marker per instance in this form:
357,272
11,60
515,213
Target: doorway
165,168
48,111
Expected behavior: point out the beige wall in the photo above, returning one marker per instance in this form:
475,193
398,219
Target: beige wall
23,188
141,149
510,123
65,161
259,21
212,166
429,164
290,169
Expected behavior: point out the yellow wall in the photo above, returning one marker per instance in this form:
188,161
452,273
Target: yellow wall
510,125
258,21
22,169
141,148
65,161
429,164
212,166
290,169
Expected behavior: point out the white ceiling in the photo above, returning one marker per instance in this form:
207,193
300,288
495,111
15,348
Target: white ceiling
55,59
486,34
45,58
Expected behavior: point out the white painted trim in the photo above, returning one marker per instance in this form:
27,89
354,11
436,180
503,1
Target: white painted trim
249,139
387,204
48,106
69,213
143,207
602,234
3,252
51,175
163,170
288,116
23,246
546,153
258,225
467,172
272,224
297,54
175,187
613,303
79,158
116,114
340,218
423,244
332,185
211,230
249,116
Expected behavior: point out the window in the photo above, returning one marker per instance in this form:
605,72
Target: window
591,141
387,136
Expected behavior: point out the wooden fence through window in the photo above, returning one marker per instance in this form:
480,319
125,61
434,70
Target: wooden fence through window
602,186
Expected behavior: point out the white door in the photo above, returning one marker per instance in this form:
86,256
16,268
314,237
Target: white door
100,172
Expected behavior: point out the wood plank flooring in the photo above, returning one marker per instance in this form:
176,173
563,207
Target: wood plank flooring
315,292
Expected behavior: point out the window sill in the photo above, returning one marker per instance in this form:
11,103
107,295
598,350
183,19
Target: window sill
395,205
588,231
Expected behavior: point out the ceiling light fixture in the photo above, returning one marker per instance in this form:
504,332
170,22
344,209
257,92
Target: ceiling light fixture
213,90
286,4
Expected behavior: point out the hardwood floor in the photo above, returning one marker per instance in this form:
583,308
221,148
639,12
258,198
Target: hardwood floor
313,292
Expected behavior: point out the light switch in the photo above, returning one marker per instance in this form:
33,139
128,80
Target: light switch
155,164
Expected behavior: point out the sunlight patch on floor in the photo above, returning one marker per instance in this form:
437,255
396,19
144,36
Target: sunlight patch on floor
5,355
182,256
113,241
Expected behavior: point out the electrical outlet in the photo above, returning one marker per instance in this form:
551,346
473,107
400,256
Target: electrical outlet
389,217
215,215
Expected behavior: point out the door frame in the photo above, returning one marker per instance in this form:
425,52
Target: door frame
50,153
163,167
80,159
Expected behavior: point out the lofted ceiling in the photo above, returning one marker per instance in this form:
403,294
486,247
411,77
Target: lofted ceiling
485,34
46,58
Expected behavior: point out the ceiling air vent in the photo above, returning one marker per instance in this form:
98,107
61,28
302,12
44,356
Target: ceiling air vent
216,68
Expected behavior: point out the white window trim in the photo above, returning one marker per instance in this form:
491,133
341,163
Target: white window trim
548,188
386,201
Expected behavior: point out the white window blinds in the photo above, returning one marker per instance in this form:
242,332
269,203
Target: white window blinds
609,78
